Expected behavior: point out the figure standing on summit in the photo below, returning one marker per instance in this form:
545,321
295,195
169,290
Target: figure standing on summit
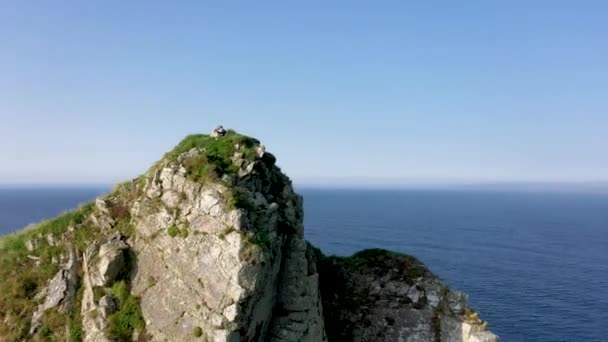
219,131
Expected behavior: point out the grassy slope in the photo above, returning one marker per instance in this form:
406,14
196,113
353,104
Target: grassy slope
22,279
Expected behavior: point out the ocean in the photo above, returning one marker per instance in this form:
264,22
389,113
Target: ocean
535,265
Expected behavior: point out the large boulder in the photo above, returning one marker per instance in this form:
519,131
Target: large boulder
110,261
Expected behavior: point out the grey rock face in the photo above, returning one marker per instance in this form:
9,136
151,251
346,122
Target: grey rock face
261,150
111,261
92,314
107,306
102,264
51,240
298,313
60,291
31,245
223,275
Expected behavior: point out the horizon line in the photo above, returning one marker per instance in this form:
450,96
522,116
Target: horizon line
540,186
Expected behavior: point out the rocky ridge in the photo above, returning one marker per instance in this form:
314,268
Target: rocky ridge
208,245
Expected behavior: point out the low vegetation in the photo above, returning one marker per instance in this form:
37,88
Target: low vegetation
128,318
173,231
214,161
119,208
376,261
184,232
24,272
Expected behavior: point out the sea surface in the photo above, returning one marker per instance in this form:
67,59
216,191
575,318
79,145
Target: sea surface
535,265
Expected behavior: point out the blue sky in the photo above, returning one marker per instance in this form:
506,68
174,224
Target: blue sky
348,93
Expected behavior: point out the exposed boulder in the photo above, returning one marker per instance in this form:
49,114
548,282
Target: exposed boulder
59,293
110,261
260,150
31,245
94,323
51,240
107,306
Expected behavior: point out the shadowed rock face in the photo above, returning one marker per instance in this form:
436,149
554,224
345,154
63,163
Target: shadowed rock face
377,295
208,245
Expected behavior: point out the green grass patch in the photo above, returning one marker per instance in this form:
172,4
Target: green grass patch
128,318
125,227
129,191
75,323
174,231
214,161
59,225
85,235
236,198
377,261
22,279
53,326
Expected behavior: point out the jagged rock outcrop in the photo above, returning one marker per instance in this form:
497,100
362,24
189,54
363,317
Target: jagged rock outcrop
110,261
60,292
377,295
208,245
213,253
93,322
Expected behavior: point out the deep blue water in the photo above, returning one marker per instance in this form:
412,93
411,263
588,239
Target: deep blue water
22,206
534,265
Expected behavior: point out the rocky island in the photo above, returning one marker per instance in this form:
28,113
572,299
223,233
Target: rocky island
208,245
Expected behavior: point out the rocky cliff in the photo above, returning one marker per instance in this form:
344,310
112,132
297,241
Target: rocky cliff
208,245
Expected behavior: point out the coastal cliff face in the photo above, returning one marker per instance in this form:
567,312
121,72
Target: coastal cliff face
208,245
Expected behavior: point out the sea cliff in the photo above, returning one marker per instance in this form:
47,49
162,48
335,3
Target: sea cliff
208,245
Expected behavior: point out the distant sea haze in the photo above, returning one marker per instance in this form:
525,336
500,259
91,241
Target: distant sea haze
534,264
600,187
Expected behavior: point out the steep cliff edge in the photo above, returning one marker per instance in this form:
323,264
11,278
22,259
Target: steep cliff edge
208,245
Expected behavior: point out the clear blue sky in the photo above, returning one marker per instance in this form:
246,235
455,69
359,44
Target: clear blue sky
353,92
